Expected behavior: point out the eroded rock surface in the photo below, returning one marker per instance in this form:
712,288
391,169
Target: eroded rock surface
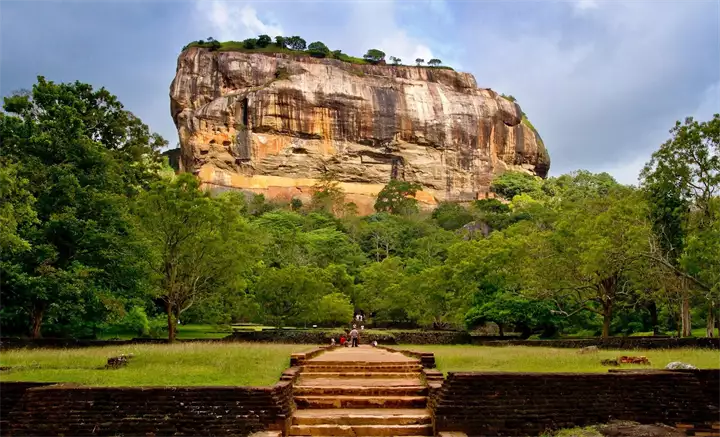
273,123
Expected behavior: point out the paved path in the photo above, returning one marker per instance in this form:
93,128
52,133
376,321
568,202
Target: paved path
364,353
361,391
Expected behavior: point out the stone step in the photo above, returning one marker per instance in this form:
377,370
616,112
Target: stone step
326,402
367,416
361,368
361,430
384,375
335,390
360,382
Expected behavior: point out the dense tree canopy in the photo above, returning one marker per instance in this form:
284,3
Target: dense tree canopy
95,233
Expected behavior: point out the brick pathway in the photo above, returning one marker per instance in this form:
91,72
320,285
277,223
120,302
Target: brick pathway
361,391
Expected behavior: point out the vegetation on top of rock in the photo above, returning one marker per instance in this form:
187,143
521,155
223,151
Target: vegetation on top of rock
525,119
295,45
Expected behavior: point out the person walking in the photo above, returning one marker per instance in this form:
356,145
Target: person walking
354,334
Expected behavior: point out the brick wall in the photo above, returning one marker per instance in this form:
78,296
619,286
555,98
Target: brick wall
514,404
10,395
160,411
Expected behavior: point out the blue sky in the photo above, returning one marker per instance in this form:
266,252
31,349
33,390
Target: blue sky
602,81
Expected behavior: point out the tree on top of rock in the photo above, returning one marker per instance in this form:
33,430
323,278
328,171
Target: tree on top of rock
263,41
397,197
395,60
419,61
434,62
374,56
318,49
295,43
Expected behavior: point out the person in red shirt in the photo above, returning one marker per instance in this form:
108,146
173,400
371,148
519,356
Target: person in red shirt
342,340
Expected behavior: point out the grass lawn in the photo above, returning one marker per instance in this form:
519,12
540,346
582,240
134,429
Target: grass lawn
181,364
541,359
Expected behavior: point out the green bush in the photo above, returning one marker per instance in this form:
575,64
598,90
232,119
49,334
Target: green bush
158,326
136,321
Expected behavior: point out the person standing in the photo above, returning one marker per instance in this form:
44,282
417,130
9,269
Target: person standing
354,336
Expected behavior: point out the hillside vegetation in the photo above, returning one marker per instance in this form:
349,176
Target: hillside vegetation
296,46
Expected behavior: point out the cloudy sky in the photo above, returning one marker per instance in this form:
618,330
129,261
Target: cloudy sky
602,80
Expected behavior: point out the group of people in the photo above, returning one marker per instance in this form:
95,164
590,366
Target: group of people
354,335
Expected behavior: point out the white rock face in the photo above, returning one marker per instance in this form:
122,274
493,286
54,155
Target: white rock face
274,123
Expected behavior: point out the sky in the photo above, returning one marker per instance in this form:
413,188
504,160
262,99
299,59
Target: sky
603,81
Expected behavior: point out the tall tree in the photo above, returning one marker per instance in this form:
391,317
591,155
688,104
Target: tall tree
584,263
74,158
398,197
682,179
197,245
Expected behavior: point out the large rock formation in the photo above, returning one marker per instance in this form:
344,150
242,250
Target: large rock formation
274,123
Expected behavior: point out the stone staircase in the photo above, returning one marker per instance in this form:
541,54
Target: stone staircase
361,391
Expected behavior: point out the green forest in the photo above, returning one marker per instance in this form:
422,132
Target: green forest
97,231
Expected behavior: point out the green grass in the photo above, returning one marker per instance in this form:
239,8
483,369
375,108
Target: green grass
180,364
541,359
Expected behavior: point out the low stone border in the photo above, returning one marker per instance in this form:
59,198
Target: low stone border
299,358
427,359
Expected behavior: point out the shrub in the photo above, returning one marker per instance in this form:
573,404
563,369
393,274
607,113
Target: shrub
158,326
250,43
136,321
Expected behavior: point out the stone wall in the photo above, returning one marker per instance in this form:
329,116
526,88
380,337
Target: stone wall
318,336
514,404
609,343
322,336
158,411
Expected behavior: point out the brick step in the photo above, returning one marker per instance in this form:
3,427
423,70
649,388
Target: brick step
359,368
361,363
384,375
359,382
314,390
361,430
326,402
367,416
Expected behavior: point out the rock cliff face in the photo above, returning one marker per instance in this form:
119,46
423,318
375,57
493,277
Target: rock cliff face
273,123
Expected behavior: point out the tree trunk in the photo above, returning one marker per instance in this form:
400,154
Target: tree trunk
607,292
500,330
710,327
686,326
171,324
606,325
36,318
607,317
652,309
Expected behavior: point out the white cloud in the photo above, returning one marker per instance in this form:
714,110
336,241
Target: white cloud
604,89
584,5
233,20
384,33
